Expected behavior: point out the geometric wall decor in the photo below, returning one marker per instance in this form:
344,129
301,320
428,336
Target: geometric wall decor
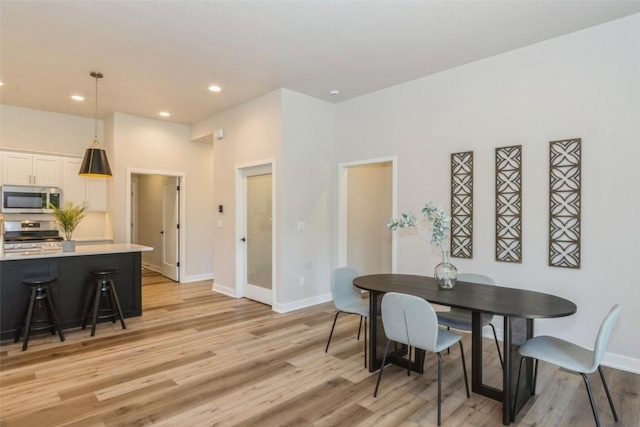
509,204
565,185
462,204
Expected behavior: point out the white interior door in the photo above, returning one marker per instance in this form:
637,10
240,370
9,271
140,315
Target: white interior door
170,229
258,235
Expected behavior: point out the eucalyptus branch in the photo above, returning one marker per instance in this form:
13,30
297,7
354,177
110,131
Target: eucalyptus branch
440,223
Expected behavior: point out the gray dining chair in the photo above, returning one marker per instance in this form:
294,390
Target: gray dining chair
572,357
348,299
412,321
460,319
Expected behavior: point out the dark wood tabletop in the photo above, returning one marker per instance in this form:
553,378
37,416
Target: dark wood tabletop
472,296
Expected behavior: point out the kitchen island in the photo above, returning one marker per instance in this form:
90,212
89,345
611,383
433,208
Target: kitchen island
74,281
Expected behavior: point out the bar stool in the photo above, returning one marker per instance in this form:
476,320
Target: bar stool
104,290
39,294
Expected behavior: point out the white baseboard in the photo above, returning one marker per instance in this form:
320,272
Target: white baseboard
156,268
623,363
197,278
303,303
230,292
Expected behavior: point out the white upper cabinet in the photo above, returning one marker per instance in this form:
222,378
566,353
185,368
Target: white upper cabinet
30,169
88,192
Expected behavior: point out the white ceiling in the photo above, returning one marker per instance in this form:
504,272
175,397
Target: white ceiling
162,55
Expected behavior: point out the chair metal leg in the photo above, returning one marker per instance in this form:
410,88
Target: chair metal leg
331,334
448,349
384,360
365,342
439,388
495,337
534,381
409,362
606,389
360,327
464,369
593,404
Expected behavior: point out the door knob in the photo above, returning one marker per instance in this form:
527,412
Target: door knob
243,239
162,232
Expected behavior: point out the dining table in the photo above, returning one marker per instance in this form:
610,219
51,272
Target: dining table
519,308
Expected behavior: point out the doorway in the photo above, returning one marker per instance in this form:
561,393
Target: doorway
366,201
155,221
255,226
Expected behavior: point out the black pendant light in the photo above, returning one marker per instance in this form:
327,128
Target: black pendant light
95,163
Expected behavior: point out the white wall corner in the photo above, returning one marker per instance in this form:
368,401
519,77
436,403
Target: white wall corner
225,290
302,303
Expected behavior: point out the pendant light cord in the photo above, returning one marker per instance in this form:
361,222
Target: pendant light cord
95,137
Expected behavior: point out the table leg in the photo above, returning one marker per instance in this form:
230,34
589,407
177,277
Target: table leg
506,373
374,362
516,332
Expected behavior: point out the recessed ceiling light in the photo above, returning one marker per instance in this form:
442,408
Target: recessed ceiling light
334,92
77,97
164,114
215,88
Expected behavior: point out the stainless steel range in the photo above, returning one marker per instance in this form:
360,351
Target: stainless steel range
31,236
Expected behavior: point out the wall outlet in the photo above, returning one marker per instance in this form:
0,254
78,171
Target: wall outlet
302,281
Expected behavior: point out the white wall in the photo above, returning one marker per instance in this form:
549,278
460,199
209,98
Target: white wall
252,133
308,175
60,134
164,148
35,130
296,133
581,85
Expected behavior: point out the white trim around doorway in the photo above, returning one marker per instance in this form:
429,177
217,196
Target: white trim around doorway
183,213
240,221
342,206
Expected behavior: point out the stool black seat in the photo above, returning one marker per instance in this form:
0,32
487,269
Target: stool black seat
39,297
103,291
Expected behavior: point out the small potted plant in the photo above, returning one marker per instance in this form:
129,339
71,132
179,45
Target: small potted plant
68,217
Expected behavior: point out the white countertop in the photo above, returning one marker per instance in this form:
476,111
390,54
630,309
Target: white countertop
81,250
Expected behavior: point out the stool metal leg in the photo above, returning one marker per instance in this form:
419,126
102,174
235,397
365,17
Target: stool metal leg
54,315
114,295
29,318
23,318
87,308
96,307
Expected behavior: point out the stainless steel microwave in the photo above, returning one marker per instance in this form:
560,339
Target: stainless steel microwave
29,199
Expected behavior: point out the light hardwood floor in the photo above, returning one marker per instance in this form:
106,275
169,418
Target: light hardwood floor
198,358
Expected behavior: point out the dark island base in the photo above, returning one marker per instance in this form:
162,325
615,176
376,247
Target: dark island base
72,290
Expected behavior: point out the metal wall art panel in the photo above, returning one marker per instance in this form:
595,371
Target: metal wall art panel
462,204
509,204
565,186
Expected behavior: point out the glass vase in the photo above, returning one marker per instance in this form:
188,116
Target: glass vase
445,273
